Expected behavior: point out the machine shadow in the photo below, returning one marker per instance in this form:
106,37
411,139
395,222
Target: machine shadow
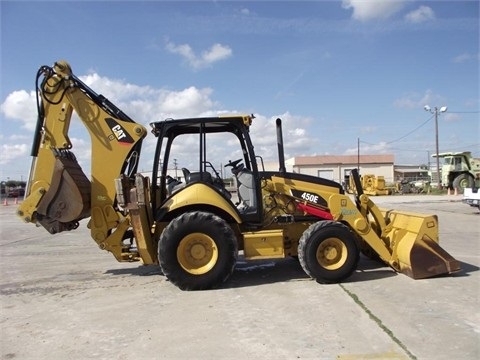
466,269
369,269
265,272
142,270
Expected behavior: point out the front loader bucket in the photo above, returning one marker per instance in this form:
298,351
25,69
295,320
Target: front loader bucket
68,198
414,244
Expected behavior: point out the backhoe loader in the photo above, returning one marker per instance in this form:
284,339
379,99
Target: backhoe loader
195,229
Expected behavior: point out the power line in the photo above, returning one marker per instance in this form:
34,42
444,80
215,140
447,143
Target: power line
404,136
423,124
411,132
460,148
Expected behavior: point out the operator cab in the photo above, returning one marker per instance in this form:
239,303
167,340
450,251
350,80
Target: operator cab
205,139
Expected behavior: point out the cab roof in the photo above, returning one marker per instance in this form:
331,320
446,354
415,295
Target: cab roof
230,123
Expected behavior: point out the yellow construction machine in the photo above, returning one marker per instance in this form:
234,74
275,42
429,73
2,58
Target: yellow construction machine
194,229
371,185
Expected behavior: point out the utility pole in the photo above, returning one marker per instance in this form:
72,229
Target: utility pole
435,111
439,180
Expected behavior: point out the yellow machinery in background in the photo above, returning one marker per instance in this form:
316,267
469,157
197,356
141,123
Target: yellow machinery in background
371,185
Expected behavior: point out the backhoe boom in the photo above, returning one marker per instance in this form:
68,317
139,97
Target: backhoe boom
59,194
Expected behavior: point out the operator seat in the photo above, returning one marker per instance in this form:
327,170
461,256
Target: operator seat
173,185
186,175
191,177
246,189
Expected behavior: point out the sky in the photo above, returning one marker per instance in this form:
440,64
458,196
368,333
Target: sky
344,76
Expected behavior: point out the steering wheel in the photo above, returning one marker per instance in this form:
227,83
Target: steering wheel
233,164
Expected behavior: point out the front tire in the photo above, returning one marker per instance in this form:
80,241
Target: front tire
197,251
328,252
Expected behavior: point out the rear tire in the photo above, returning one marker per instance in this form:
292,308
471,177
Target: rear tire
463,181
197,251
328,252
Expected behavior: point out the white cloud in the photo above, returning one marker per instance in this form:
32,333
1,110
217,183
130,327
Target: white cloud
19,137
365,10
422,14
368,129
465,57
11,152
176,102
416,100
297,132
21,105
142,103
297,140
380,148
83,152
147,104
116,90
217,52
449,117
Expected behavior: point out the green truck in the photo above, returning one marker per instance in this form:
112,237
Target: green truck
459,170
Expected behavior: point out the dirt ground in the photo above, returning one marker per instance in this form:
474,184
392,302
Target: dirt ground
63,298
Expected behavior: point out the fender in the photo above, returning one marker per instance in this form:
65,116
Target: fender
199,194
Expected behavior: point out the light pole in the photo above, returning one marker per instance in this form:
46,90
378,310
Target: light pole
435,111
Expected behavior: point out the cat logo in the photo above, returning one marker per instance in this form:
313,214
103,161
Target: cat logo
119,132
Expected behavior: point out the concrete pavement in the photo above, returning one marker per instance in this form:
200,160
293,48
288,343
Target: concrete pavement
63,298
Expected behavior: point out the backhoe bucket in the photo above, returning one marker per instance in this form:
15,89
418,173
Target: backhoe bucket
68,198
414,243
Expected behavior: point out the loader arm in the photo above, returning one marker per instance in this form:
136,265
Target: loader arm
59,194
407,242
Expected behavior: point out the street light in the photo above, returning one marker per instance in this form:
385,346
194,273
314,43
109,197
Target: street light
435,111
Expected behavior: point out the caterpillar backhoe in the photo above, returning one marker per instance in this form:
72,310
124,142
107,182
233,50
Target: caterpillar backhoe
192,226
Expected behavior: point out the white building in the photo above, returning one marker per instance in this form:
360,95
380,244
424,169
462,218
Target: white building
338,167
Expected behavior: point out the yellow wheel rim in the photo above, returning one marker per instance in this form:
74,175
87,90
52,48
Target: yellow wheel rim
332,254
197,253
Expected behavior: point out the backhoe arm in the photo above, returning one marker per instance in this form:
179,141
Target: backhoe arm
58,193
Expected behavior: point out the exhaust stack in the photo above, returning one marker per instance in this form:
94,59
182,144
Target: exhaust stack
281,155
